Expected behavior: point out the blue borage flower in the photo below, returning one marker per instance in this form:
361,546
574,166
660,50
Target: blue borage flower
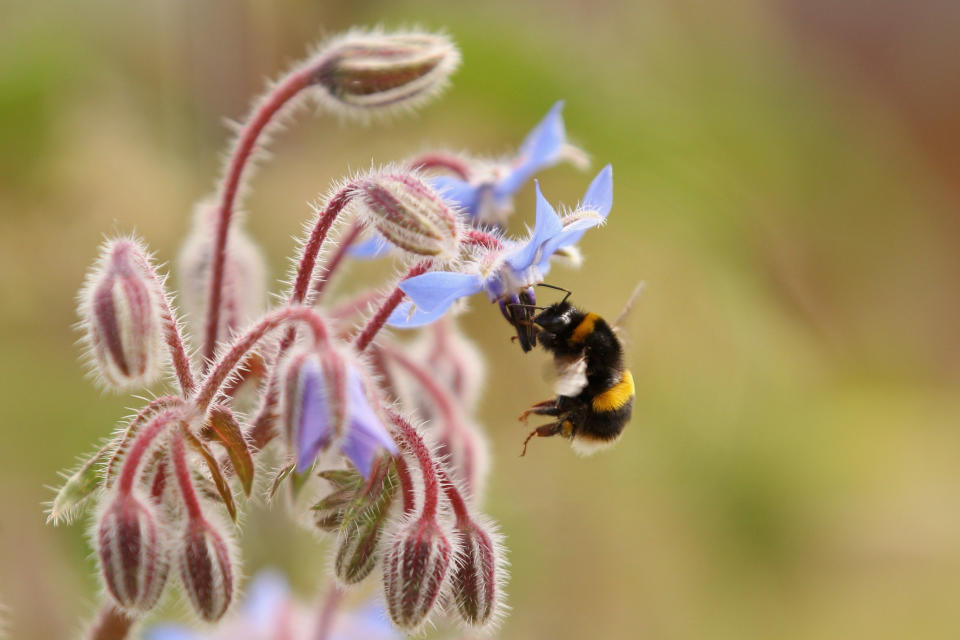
271,611
364,437
488,198
507,275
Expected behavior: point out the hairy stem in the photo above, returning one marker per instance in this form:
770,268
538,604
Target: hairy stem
408,438
131,464
132,429
380,317
182,472
442,160
326,273
111,623
239,160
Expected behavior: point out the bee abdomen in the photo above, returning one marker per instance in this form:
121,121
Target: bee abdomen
616,397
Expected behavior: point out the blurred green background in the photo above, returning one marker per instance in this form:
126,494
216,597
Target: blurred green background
787,183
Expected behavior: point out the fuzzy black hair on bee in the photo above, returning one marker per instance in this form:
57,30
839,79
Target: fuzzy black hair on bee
594,413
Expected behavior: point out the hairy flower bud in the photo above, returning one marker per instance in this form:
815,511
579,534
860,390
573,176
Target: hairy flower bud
409,213
363,522
365,73
134,556
206,569
244,274
475,581
121,307
415,567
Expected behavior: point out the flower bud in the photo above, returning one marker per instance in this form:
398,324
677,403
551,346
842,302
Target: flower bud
415,567
475,581
362,74
363,522
206,569
409,213
134,557
121,308
244,274
314,402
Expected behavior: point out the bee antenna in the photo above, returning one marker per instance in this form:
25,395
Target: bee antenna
551,286
526,306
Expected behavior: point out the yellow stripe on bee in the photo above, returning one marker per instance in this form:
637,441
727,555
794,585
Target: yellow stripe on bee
616,396
584,329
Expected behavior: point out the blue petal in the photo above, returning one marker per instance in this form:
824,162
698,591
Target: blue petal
432,294
548,225
599,195
267,594
539,150
599,198
170,632
315,428
463,194
369,622
373,247
366,436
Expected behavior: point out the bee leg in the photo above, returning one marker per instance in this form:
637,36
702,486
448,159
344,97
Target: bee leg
544,408
543,431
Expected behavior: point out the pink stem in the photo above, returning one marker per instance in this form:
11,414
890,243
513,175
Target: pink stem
239,159
184,481
406,484
408,437
439,395
135,424
111,623
459,505
131,465
482,239
246,342
315,242
320,282
380,318
442,160
328,612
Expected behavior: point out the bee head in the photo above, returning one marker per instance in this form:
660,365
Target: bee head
556,317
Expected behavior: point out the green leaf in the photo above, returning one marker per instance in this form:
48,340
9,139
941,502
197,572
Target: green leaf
78,487
216,473
223,428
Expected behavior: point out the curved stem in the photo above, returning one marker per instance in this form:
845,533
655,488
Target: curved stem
315,242
320,282
131,465
482,239
439,395
228,362
442,160
111,623
406,484
182,472
239,160
411,440
133,427
460,509
380,317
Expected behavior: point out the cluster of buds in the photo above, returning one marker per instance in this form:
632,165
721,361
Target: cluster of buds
334,392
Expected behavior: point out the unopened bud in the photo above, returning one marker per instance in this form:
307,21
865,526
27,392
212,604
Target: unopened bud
415,567
244,274
314,402
134,556
475,580
363,74
409,213
363,522
121,307
206,569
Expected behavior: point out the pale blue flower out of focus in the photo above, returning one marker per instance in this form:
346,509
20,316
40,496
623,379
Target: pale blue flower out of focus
510,273
365,436
488,198
270,612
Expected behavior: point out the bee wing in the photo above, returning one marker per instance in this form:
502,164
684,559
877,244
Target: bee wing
571,376
627,308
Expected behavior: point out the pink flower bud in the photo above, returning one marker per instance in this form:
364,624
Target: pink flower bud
121,307
477,574
244,274
134,556
416,565
409,213
207,569
362,74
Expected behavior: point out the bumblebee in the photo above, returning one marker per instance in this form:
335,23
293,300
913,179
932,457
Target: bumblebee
595,394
